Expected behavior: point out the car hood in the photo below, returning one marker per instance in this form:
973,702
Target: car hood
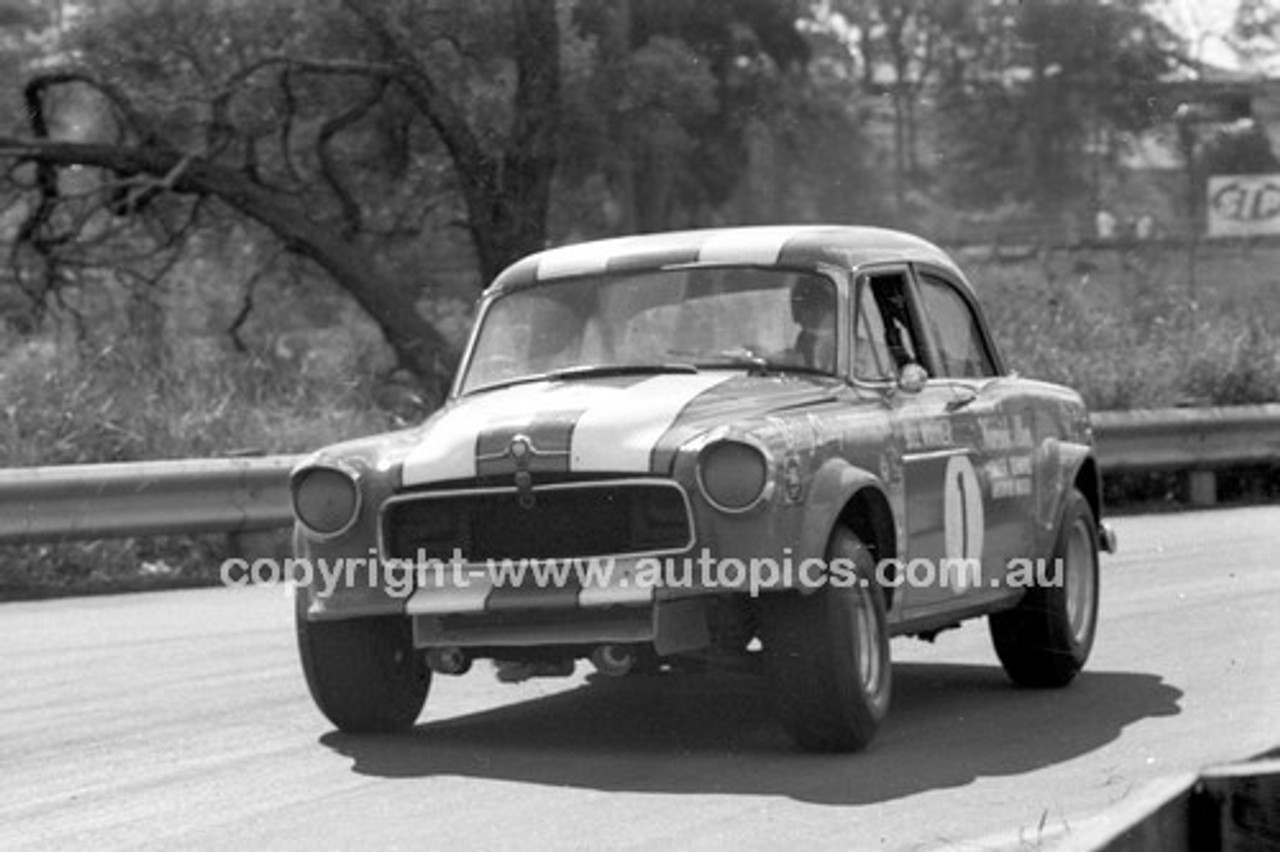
631,424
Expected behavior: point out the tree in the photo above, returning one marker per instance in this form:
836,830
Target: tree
1255,31
360,131
273,110
672,91
896,43
1028,85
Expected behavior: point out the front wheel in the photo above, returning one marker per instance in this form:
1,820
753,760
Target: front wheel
827,653
363,673
1045,640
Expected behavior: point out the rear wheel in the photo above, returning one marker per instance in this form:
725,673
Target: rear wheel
1045,640
363,673
827,654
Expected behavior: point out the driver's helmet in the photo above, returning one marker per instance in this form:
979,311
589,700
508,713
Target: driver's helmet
812,300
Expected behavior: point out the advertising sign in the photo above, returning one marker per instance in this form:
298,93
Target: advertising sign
1244,205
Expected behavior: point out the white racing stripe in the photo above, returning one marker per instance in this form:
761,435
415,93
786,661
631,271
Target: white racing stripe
619,434
623,587
442,596
562,264
580,259
748,245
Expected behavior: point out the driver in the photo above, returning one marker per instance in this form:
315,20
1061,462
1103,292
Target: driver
813,307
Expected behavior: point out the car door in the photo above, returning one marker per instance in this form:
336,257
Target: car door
993,486
927,470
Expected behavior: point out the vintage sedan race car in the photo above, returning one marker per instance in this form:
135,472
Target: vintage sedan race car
773,445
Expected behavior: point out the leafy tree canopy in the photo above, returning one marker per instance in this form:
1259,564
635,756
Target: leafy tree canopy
408,147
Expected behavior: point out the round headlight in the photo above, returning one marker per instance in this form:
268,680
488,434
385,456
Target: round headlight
325,499
733,476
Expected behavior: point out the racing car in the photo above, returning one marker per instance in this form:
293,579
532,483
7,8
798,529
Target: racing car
779,446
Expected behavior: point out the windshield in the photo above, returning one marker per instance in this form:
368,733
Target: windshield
674,319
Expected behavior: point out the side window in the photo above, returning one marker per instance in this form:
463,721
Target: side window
884,341
962,351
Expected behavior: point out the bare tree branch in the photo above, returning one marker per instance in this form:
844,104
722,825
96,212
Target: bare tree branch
506,193
46,175
504,181
247,302
352,216
335,67
418,345
286,126
128,116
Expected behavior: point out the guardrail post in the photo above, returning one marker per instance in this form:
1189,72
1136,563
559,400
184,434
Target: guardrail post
1201,487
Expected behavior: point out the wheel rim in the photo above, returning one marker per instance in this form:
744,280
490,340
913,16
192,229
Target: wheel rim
867,629
1080,570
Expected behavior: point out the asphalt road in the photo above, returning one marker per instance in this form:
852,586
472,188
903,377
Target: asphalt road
180,719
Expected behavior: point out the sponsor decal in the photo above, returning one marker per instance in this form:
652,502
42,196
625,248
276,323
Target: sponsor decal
891,467
1010,477
928,435
792,480
1001,434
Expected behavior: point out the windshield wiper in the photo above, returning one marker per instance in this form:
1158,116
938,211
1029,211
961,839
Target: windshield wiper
597,370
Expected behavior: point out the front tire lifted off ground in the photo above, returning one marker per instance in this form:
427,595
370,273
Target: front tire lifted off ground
827,653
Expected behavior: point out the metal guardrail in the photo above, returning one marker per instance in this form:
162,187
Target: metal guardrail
1192,440
246,494
144,498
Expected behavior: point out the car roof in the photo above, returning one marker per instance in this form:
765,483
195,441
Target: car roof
796,246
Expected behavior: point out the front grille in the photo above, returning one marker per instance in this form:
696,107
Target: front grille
565,520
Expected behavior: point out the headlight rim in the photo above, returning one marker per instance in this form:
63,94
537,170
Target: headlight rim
766,491
353,476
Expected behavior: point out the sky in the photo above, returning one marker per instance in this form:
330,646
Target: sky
1204,22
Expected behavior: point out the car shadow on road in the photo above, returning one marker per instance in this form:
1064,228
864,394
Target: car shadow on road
950,725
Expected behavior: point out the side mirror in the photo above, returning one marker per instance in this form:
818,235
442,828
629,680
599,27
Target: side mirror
912,378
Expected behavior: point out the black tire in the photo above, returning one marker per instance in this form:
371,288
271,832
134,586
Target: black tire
827,654
363,673
1045,640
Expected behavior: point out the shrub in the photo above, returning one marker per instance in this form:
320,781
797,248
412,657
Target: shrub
66,405
1123,328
